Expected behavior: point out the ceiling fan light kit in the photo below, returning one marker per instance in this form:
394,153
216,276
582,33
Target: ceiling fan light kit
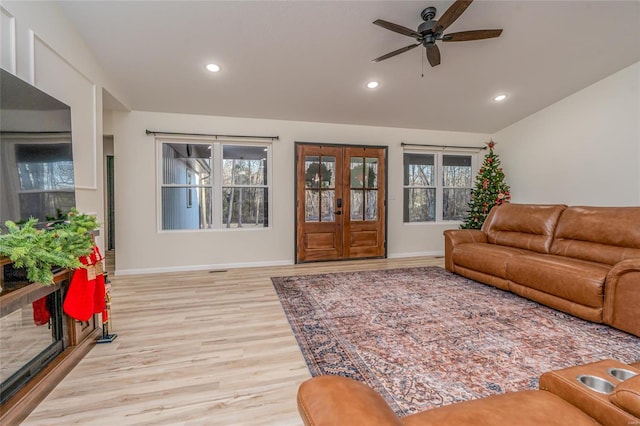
431,31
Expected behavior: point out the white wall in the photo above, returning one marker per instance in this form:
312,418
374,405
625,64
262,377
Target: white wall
582,150
39,46
141,248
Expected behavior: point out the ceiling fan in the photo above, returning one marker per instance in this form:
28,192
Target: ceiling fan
430,31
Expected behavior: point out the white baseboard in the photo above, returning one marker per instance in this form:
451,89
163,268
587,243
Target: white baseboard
416,254
213,267
219,266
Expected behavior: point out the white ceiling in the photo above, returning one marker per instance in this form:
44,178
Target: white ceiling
310,60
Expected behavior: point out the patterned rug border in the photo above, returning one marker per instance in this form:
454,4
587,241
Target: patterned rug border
337,355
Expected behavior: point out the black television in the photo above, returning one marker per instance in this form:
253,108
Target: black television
36,159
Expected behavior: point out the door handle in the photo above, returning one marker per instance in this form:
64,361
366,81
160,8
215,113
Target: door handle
338,212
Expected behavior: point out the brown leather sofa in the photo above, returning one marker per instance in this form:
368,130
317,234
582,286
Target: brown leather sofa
584,261
562,400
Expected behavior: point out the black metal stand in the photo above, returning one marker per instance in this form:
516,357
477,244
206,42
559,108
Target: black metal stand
106,336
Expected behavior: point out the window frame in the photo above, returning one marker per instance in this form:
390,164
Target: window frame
216,184
439,180
11,142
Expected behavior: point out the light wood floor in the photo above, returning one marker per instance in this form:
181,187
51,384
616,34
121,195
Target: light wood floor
195,348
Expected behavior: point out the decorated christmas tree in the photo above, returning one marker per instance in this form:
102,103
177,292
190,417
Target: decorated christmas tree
490,190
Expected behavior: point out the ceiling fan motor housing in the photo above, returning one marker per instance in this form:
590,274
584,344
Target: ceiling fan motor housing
426,27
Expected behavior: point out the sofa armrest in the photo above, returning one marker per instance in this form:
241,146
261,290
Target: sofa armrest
454,237
622,296
626,395
335,400
564,384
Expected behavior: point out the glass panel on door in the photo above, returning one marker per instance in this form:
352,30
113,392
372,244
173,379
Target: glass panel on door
311,172
357,204
371,205
364,184
326,206
320,182
371,173
357,172
328,175
311,205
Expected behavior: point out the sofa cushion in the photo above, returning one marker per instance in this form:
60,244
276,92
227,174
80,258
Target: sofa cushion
472,274
488,258
558,303
572,279
525,226
626,395
598,234
524,408
336,400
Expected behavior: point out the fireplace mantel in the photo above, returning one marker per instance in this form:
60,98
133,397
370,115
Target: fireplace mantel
76,339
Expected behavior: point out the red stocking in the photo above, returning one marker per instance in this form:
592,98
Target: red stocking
41,313
79,301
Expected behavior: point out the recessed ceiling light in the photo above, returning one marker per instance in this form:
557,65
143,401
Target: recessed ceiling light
500,98
373,84
213,67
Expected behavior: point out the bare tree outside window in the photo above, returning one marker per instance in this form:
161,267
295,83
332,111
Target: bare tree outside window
437,186
211,185
244,187
419,188
456,195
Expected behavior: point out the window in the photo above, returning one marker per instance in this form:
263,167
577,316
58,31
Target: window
456,186
419,188
214,185
437,186
244,186
45,174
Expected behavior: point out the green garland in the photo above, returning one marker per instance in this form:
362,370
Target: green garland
39,250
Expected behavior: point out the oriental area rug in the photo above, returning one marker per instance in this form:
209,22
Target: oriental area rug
424,337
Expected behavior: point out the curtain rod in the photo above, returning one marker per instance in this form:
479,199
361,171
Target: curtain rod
443,146
155,133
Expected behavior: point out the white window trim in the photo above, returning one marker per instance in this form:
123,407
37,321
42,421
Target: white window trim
216,181
438,154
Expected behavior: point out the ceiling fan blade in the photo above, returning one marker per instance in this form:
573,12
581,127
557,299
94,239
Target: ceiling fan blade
397,28
451,15
471,35
433,54
396,52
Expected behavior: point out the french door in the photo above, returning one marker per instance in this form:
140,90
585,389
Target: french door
340,202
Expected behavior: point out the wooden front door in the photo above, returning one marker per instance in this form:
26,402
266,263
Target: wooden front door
340,202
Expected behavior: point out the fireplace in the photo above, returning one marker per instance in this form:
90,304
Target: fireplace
32,328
